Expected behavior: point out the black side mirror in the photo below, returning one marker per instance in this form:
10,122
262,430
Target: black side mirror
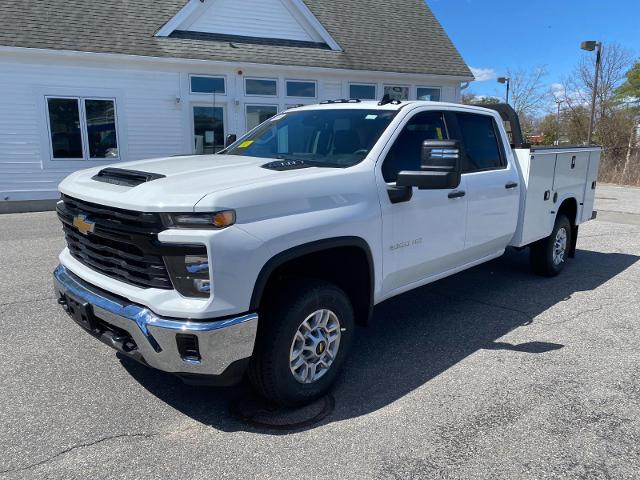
439,169
230,140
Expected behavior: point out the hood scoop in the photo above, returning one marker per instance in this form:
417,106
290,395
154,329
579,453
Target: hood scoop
125,178
284,165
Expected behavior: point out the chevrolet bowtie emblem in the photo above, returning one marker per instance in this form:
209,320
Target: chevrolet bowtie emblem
83,225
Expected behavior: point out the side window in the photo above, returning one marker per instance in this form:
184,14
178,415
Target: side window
406,151
481,142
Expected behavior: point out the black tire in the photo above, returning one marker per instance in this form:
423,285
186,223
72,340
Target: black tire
542,252
269,370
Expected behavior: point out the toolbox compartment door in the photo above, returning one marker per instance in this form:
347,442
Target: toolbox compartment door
590,185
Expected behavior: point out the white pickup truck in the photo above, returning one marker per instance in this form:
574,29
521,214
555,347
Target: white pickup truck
260,260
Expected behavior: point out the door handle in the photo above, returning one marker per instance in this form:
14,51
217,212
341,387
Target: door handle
457,194
511,185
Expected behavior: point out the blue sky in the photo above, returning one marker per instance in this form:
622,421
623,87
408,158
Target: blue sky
493,35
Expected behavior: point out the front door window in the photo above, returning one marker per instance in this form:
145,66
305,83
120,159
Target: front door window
208,129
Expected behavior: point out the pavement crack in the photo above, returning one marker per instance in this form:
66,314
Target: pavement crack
76,447
93,443
578,315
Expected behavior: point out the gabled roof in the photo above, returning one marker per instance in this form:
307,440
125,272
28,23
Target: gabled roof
377,35
250,20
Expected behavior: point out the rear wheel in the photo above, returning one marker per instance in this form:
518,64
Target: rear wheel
303,340
549,255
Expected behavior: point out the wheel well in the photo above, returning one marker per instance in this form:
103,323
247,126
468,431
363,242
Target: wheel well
350,267
569,208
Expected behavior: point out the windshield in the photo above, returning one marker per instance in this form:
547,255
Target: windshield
329,138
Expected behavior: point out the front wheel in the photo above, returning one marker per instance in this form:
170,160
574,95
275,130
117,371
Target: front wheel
549,255
303,339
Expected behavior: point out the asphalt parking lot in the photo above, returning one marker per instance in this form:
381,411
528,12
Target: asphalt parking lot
492,373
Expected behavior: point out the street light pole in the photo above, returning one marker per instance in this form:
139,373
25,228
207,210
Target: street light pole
558,102
590,46
506,80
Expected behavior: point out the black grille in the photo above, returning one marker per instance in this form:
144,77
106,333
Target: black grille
123,245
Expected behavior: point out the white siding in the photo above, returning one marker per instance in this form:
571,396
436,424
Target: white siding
252,18
149,124
330,90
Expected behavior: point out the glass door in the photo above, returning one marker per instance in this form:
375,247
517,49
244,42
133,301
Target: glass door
208,129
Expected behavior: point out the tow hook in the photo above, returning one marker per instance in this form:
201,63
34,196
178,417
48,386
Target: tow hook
123,343
63,303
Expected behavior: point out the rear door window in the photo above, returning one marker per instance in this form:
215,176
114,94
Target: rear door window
481,142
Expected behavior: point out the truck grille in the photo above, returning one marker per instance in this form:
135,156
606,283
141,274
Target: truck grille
123,244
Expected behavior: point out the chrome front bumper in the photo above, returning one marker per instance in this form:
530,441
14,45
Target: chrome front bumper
221,344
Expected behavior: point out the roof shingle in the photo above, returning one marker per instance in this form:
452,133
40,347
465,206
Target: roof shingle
380,35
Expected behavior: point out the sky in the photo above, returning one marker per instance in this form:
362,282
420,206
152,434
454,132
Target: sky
494,35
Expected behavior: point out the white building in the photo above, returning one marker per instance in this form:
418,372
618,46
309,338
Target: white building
91,83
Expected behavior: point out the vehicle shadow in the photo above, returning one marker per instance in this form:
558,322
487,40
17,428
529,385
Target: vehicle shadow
417,336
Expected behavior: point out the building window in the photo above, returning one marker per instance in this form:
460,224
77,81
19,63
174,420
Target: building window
207,85
261,86
208,129
296,88
396,92
362,91
82,128
256,114
429,93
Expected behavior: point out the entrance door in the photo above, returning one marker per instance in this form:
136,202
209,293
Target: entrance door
423,235
208,129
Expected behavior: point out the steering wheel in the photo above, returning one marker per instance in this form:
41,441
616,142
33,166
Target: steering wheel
362,151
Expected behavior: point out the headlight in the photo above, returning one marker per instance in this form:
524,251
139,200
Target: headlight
190,275
222,219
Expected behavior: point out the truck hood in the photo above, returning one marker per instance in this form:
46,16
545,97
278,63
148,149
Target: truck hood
186,181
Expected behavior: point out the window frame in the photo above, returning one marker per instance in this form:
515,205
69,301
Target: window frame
246,116
359,84
418,87
274,80
466,163
449,130
222,77
84,128
293,80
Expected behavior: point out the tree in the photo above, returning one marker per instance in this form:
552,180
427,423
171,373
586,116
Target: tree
529,94
577,88
549,129
471,98
629,91
614,122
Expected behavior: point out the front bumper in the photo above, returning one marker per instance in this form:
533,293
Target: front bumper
194,350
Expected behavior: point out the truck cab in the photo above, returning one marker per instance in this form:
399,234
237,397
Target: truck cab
259,260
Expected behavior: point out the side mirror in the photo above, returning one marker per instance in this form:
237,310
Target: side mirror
230,140
439,168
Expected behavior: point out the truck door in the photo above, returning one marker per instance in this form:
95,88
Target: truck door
492,184
423,235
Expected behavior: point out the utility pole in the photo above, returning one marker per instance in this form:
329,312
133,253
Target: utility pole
557,142
590,46
506,80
